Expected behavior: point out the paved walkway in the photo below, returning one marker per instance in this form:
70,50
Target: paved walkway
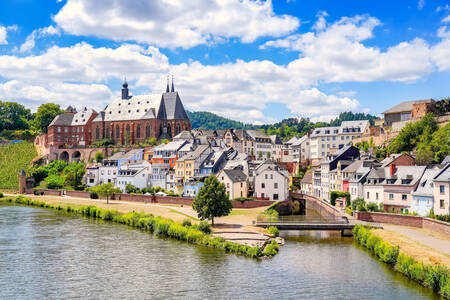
421,237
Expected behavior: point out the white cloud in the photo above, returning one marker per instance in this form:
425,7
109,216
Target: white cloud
174,23
446,7
420,4
446,19
61,93
337,54
36,34
4,33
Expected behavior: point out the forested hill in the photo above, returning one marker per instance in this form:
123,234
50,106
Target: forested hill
208,121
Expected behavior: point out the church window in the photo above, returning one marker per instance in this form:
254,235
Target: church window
147,131
117,132
97,133
107,132
138,131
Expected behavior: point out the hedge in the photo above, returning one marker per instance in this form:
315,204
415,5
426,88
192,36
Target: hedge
434,277
194,234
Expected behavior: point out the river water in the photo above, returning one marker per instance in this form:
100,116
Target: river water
45,254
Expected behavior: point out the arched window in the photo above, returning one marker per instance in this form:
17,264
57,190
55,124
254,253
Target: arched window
128,130
117,132
138,131
107,132
97,133
147,131
177,129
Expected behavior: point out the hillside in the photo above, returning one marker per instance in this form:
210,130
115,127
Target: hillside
208,121
13,158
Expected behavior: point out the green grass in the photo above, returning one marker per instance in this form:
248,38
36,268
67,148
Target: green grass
180,213
13,158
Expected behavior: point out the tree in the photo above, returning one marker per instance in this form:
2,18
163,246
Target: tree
99,156
54,182
14,116
45,115
105,190
74,174
212,200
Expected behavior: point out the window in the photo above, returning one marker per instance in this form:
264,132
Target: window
117,131
368,194
391,196
442,189
147,131
138,131
242,184
97,133
263,185
376,196
265,176
404,197
275,185
441,204
66,129
275,196
59,129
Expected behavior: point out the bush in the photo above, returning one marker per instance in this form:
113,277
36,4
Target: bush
186,223
93,195
243,199
436,278
271,249
273,230
372,206
1,195
357,202
204,227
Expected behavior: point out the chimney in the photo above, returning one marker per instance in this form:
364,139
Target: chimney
391,169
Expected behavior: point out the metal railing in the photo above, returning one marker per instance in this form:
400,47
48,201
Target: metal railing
301,219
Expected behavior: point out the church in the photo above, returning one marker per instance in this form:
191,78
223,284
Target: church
128,120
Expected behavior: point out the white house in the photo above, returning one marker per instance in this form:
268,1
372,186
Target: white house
271,182
134,172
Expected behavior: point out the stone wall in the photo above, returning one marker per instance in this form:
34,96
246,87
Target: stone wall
322,207
404,220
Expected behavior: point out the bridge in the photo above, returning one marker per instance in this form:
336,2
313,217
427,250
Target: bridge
301,222
329,217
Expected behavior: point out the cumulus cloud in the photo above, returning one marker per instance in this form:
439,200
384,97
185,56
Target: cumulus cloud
173,23
36,34
4,33
337,54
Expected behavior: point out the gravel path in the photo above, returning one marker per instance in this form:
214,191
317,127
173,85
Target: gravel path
421,237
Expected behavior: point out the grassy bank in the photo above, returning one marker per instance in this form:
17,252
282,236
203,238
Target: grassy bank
434,277
13,158
194,234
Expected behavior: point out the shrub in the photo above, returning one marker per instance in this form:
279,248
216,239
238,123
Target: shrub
418,272
93,195
372,206
437,277
273,230
1,195
204,227
404,263
162,227
186,223
355,203
271,249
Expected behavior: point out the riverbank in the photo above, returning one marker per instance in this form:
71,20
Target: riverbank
191,233
434,276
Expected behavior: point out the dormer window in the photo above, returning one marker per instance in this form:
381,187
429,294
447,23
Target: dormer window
84,120
76,121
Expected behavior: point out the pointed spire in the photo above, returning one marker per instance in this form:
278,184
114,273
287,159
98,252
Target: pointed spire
173,87
167,88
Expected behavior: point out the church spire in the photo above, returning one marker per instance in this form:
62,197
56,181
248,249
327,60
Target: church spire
173,87
167,88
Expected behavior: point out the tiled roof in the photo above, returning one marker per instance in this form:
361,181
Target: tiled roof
62,119
425,187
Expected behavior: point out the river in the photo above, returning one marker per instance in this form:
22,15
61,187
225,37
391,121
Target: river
46,254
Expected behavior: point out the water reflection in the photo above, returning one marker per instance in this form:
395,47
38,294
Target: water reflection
48,255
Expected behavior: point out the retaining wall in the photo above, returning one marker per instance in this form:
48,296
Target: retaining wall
252,204
405,220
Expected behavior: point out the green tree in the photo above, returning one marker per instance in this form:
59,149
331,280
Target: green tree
54,182
73,174
105,190
45,115
98,156
14,116
212,200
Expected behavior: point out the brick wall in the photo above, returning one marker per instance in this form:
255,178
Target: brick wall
402,220
80,194
252,204
436,225
52,192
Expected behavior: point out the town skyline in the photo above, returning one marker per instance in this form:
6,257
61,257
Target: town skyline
263,62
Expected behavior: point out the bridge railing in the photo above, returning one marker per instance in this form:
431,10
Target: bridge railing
300,219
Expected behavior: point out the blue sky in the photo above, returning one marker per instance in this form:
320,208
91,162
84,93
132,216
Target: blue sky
255,61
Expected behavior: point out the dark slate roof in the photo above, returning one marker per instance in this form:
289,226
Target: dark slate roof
171,107
235,175
62,119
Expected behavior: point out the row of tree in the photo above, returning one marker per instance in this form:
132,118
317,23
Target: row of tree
17,121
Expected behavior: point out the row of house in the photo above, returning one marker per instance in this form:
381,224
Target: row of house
395,182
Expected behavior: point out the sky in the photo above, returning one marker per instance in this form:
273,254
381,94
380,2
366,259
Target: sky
252,61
